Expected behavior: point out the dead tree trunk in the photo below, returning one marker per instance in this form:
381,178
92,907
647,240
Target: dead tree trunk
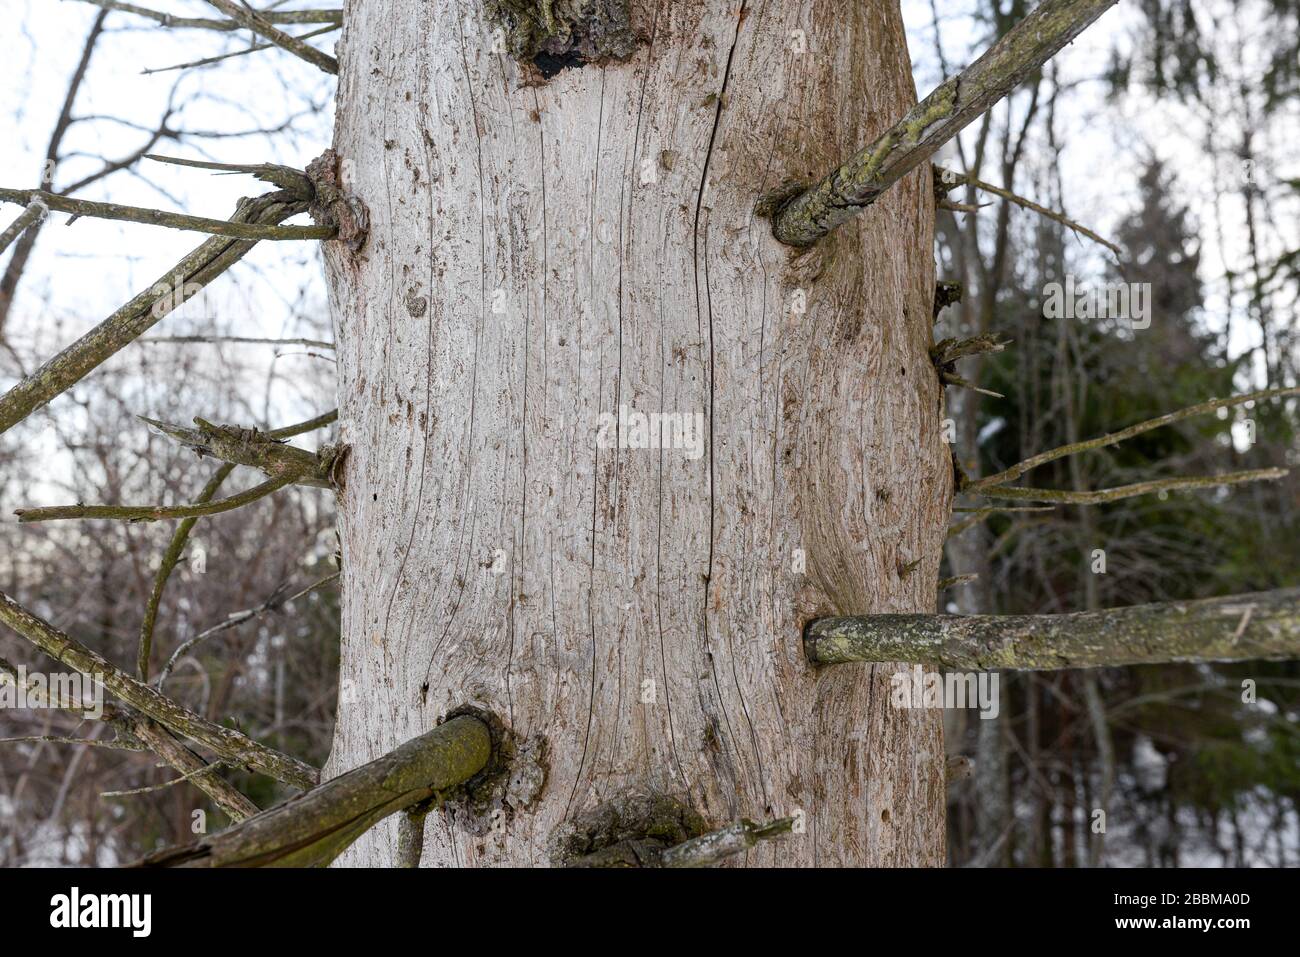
547,250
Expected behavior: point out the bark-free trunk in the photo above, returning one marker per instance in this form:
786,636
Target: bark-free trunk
544,253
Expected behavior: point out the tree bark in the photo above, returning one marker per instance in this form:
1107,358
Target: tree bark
545,251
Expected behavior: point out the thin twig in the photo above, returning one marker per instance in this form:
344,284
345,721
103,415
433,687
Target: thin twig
202,23
255,48
1099,496
946,179
262,26
980,514
166,784
171,558
153,513
1020,468
273,603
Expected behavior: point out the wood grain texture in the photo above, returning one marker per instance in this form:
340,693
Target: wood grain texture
495,554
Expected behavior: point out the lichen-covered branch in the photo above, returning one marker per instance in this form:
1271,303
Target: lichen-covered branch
197,771
236,747
254,20
184,280
1235,628
313,828
716,846
255,449
34,213
161,217
856,184
135,732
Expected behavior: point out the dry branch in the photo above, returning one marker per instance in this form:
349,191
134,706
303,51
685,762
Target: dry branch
312,829
177,544
203,23
856,184
1101,496
204,264
153,513
33,214
263,27
946,179
255,449
230,744
1111,438
161,217
1235,628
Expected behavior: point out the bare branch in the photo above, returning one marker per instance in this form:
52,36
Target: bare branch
262,26
315,827
1238,627
200,23
255,48
204,776
1100,496
273,603
33,214
153,513
230,744
161,217
860,181
23,251
286,177
980,514
255,449
170,559
176,546
205,263
946,179
236,340
1020,468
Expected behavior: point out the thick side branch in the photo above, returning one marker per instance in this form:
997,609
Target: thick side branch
312,829
234,746
938,118
1238,627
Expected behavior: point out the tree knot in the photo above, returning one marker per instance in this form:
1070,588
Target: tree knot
334,205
